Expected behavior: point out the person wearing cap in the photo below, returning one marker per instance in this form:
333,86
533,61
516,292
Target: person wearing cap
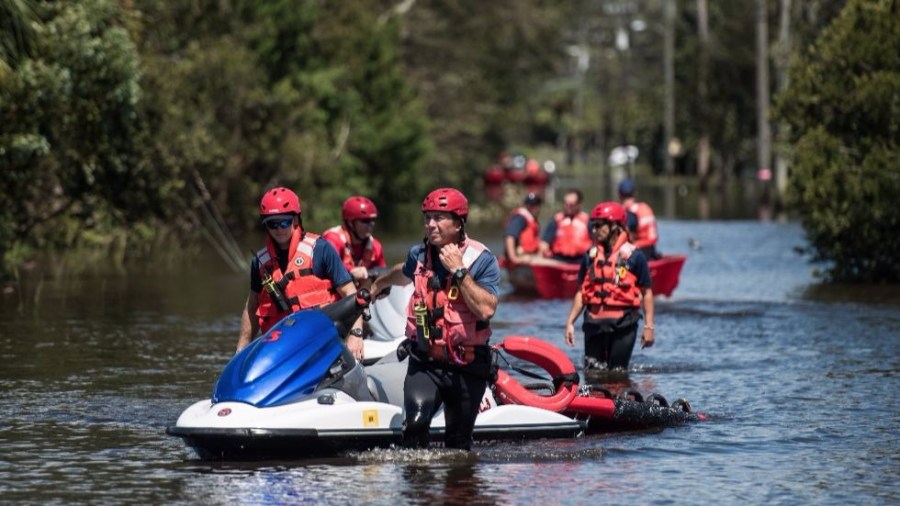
641,220
615,286
522,236
456,280
353,239
567,237
307,268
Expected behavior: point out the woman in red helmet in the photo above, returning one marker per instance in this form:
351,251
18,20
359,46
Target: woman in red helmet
615,285
457,283
353,240
305,267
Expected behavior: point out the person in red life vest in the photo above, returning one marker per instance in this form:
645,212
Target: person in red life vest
567,237
641,223
615,285
522,236
295,270
353,240
456,283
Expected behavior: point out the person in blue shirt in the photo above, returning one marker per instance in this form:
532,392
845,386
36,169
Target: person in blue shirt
615,285
295,270
456,292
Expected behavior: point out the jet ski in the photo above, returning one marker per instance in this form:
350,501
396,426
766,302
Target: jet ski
387,323
298,392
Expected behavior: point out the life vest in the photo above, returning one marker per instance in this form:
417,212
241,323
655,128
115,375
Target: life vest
440,312
609,288
304,290
572,236
368,256
530,237
646,234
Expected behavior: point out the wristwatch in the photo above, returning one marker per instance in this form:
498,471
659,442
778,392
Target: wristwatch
460,274
356,332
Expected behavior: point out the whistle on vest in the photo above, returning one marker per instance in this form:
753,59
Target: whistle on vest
423,331
275,290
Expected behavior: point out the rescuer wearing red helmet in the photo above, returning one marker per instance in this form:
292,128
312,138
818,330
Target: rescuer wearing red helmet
523,231
615,285
295,270
353,239
456,283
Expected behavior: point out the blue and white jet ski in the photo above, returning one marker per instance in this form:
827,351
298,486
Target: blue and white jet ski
297,392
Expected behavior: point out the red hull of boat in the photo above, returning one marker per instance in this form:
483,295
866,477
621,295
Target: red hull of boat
561,281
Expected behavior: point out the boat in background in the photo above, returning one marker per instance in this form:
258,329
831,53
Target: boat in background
560,280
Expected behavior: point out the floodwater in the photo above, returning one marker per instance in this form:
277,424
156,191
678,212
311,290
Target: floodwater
800,383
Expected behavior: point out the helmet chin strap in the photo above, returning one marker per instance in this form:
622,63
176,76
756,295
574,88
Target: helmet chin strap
348,225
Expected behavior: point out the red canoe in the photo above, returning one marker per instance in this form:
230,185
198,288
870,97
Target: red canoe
560,281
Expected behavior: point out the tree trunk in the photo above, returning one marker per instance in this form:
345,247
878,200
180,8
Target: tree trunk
782,79
764,142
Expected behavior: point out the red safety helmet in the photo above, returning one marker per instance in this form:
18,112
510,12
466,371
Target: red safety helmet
359,208
279,200
611,211
448,200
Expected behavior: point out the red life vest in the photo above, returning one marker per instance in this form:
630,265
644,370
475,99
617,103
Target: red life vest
304,289
572,235
609,288
454,329
646,234
339,234
530,237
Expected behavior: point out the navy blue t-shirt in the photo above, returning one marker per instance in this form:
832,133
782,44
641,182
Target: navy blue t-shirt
636,263
326,265
515,226
484,270
549,233
631,222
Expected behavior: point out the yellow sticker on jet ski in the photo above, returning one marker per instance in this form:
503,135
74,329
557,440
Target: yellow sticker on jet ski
370,418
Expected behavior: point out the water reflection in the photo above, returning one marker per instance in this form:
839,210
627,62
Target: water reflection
451,484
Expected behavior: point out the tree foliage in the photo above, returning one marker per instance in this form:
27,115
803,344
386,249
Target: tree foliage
842,107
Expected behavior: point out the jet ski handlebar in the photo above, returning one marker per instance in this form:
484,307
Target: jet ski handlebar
344,312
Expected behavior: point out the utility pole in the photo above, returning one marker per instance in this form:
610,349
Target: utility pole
703,94
669,7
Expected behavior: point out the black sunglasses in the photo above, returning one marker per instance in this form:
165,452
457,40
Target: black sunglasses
285,223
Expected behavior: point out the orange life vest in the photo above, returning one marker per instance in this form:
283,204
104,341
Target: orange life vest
304,290
368,256
530,237
646,234
572,235
609,288
453,330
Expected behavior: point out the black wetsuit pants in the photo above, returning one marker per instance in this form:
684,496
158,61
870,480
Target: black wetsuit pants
427,386
608,348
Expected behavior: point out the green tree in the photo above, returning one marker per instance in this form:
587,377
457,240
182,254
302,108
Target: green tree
842,107
67,122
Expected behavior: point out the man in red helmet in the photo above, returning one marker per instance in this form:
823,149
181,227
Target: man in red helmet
353,240
306,269
615,285
457,283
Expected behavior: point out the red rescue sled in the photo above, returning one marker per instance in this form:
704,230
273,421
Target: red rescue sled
560,281
629,411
